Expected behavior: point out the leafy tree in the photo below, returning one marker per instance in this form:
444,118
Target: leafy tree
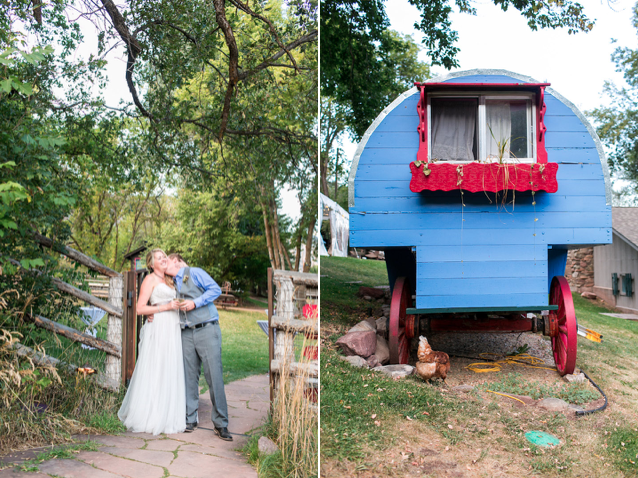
220,233
356,72
230,92
618,121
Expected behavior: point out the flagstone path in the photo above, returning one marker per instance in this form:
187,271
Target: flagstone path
200,454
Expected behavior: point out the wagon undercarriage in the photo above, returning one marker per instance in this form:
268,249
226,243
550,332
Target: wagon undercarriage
556,320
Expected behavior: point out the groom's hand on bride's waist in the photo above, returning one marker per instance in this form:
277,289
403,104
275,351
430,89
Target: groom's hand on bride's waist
149,318
187,305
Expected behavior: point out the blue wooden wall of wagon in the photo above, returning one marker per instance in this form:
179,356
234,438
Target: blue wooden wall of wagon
486,253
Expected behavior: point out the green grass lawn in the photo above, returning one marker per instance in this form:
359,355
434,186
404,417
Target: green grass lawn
258,302
244,344
375,426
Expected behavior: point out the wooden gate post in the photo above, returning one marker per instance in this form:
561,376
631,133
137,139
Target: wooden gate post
113,368
129,326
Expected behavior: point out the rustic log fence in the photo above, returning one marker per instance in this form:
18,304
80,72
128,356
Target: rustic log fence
111,378
294,290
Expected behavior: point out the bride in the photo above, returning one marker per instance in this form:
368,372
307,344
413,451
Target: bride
155,401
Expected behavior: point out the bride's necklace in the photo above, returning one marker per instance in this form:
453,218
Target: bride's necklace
157,275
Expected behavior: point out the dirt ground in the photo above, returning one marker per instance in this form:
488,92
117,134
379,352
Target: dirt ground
420,450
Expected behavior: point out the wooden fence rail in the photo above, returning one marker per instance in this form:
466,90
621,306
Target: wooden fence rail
77,256
76,335
47,361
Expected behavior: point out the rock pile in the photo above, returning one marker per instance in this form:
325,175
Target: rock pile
363,341
365,346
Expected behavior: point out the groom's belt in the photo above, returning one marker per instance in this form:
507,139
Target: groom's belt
201,324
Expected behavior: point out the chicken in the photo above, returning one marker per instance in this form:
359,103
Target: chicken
431,364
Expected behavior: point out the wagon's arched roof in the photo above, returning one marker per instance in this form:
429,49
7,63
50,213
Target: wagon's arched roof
460,74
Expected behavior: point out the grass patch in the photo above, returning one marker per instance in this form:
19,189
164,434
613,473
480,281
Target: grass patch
622,445
268,466
64,452
337,272
515,383
106,422
257,302
353,401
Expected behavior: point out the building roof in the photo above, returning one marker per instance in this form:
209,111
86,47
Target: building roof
625,223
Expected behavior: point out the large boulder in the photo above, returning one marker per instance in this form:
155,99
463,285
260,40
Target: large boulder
363,344
363,326
382,325
383,351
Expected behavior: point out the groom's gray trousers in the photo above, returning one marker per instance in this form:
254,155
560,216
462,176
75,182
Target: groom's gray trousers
203,346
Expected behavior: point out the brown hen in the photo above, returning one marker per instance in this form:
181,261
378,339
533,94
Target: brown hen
431,364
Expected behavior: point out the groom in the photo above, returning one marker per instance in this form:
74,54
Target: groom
201,342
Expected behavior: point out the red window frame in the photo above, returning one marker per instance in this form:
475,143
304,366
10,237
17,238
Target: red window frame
473,176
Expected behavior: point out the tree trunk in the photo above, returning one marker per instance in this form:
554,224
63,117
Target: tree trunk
275,228
298,247
307,260
336,176
324,174
269,245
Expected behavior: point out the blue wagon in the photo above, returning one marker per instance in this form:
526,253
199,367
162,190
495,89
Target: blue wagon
476,185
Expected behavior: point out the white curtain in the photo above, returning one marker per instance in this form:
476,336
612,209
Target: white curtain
453,129
499,130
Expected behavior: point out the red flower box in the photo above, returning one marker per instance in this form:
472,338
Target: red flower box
478,177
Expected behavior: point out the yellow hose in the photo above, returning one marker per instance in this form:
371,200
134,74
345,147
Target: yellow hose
508,396
524,360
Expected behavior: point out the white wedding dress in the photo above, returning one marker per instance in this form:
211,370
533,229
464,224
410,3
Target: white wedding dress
155,401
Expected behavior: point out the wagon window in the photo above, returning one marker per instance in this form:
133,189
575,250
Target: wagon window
507,129
491,128
454,122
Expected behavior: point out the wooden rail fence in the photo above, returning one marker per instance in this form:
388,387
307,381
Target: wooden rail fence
294,290
114,306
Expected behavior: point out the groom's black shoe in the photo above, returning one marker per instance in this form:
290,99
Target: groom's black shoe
223,433
190,427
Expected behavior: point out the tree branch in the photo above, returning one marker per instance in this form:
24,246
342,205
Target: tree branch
233,62
133,49
268,63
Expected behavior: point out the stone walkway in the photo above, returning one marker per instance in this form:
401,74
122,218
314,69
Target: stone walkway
185,455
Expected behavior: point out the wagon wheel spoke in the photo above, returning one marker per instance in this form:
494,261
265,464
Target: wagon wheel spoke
562,351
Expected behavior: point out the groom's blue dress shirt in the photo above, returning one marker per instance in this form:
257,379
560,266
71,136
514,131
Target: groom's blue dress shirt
205,282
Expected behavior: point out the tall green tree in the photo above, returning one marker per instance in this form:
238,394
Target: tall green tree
354,32
617,121
230,91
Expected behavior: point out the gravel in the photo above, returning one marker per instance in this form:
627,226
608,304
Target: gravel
472,344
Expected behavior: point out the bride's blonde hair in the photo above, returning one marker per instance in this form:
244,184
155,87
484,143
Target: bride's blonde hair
150,262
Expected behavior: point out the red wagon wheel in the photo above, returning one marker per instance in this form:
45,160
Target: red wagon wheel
398,342
563,326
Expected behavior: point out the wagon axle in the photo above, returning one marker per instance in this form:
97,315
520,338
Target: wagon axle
559,323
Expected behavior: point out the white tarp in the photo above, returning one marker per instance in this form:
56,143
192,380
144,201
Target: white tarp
339,226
